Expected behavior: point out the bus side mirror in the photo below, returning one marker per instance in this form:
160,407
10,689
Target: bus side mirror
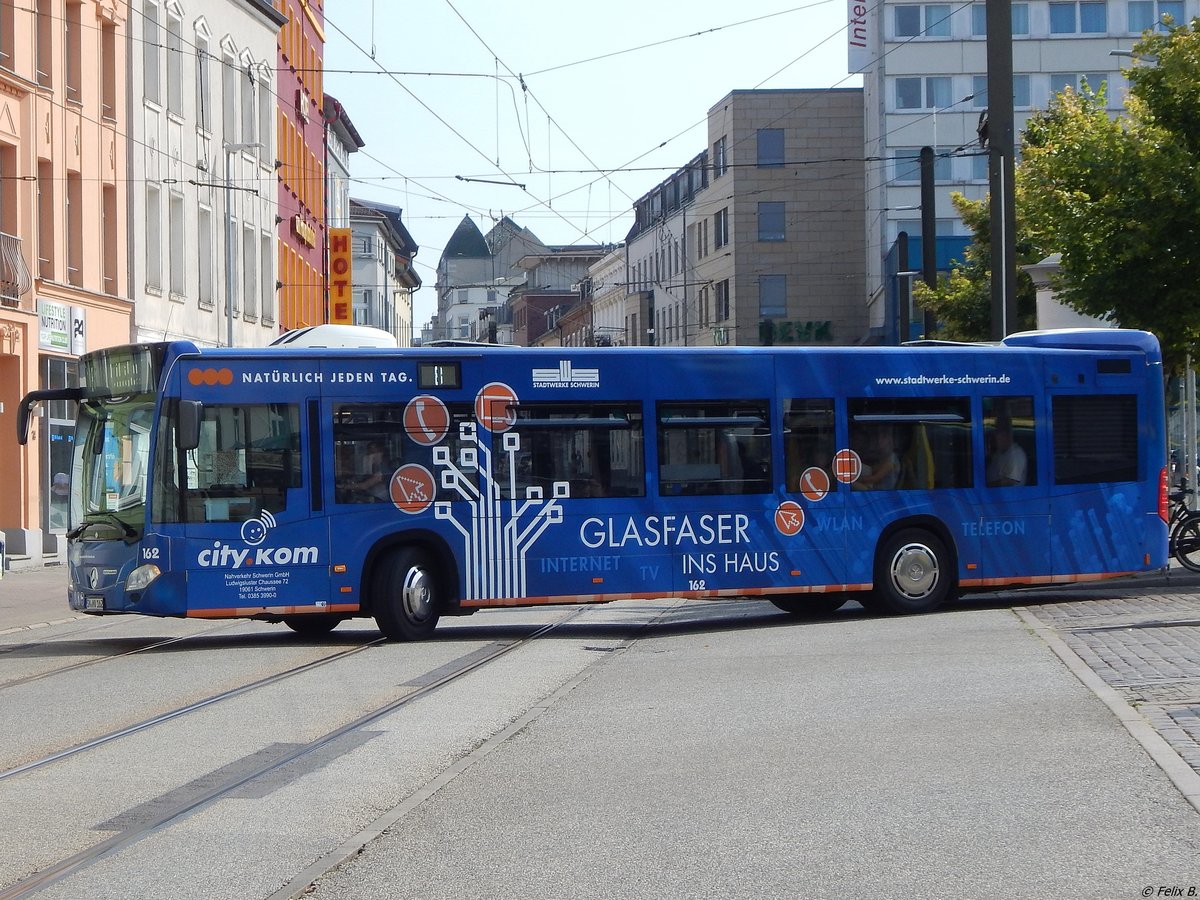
25,409
191,414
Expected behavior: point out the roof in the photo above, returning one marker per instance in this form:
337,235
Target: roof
339,120
267,11
467,242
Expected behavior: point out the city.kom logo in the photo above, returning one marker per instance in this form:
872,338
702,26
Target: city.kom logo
566,375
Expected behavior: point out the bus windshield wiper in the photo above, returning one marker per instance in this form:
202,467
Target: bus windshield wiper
129,531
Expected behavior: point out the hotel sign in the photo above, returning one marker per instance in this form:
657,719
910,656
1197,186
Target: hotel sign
341,282
304,231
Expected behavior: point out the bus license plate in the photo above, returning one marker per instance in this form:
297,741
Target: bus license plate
93,603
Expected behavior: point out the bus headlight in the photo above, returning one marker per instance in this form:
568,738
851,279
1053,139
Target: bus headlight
140,578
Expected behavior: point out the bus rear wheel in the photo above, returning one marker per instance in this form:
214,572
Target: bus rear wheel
912,573
406,597
810,604
312,624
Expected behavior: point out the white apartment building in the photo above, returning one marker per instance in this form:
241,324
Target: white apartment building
383,278
202,186
606,287
925,83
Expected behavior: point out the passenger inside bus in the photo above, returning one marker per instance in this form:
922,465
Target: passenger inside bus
371,483
1007,464
881,465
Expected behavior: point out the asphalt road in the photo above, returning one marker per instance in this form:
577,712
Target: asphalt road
643,750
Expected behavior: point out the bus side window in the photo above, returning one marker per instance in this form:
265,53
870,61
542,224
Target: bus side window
716,447
808,440
917,443
595,449
1009,445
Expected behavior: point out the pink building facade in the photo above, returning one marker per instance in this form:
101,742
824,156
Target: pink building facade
63,263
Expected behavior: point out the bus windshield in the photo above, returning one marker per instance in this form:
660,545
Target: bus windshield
111,460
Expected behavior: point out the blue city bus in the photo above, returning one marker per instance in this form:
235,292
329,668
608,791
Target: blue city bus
309,485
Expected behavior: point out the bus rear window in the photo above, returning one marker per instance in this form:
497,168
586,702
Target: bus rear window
721,447
1095,439
595,448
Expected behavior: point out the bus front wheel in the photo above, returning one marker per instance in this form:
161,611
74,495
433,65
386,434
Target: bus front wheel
406,599
912,573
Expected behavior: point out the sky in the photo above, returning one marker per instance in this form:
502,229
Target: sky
577,110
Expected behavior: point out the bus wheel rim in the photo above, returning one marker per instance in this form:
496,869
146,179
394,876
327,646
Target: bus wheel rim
418,594
914,571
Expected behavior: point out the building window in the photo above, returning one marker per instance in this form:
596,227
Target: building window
1146,14
178,249
203,91
74,51
720,164
1020,20
772,221
153,238
45,201
229,99
1060,81
204,245
1087,17
46,22
248,105
266,123
906,166
267,282
933,92
249,273
1020,89
770,147
721,294
75,228
772,296
108,71
150,44
109,226
923,20
174,64
7,20
721,228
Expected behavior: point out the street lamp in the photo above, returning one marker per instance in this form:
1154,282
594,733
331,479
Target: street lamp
231,149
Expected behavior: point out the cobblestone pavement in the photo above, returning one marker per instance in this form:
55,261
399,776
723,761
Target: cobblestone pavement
1144,643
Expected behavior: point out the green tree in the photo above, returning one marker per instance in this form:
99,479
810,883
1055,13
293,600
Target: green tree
962,303
1120,198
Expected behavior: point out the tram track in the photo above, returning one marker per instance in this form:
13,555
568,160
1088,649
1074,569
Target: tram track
86,663
185,710
162,819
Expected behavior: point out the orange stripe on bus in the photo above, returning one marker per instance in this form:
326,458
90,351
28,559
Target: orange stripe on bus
1042,579
663,595
241,612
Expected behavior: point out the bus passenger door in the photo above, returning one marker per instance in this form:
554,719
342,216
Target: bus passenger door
815,553
253,545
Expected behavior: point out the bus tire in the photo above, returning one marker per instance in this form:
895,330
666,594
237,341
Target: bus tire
807,605
312,624
406,598
912,573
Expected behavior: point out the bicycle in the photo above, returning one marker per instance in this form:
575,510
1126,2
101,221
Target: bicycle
1184,524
